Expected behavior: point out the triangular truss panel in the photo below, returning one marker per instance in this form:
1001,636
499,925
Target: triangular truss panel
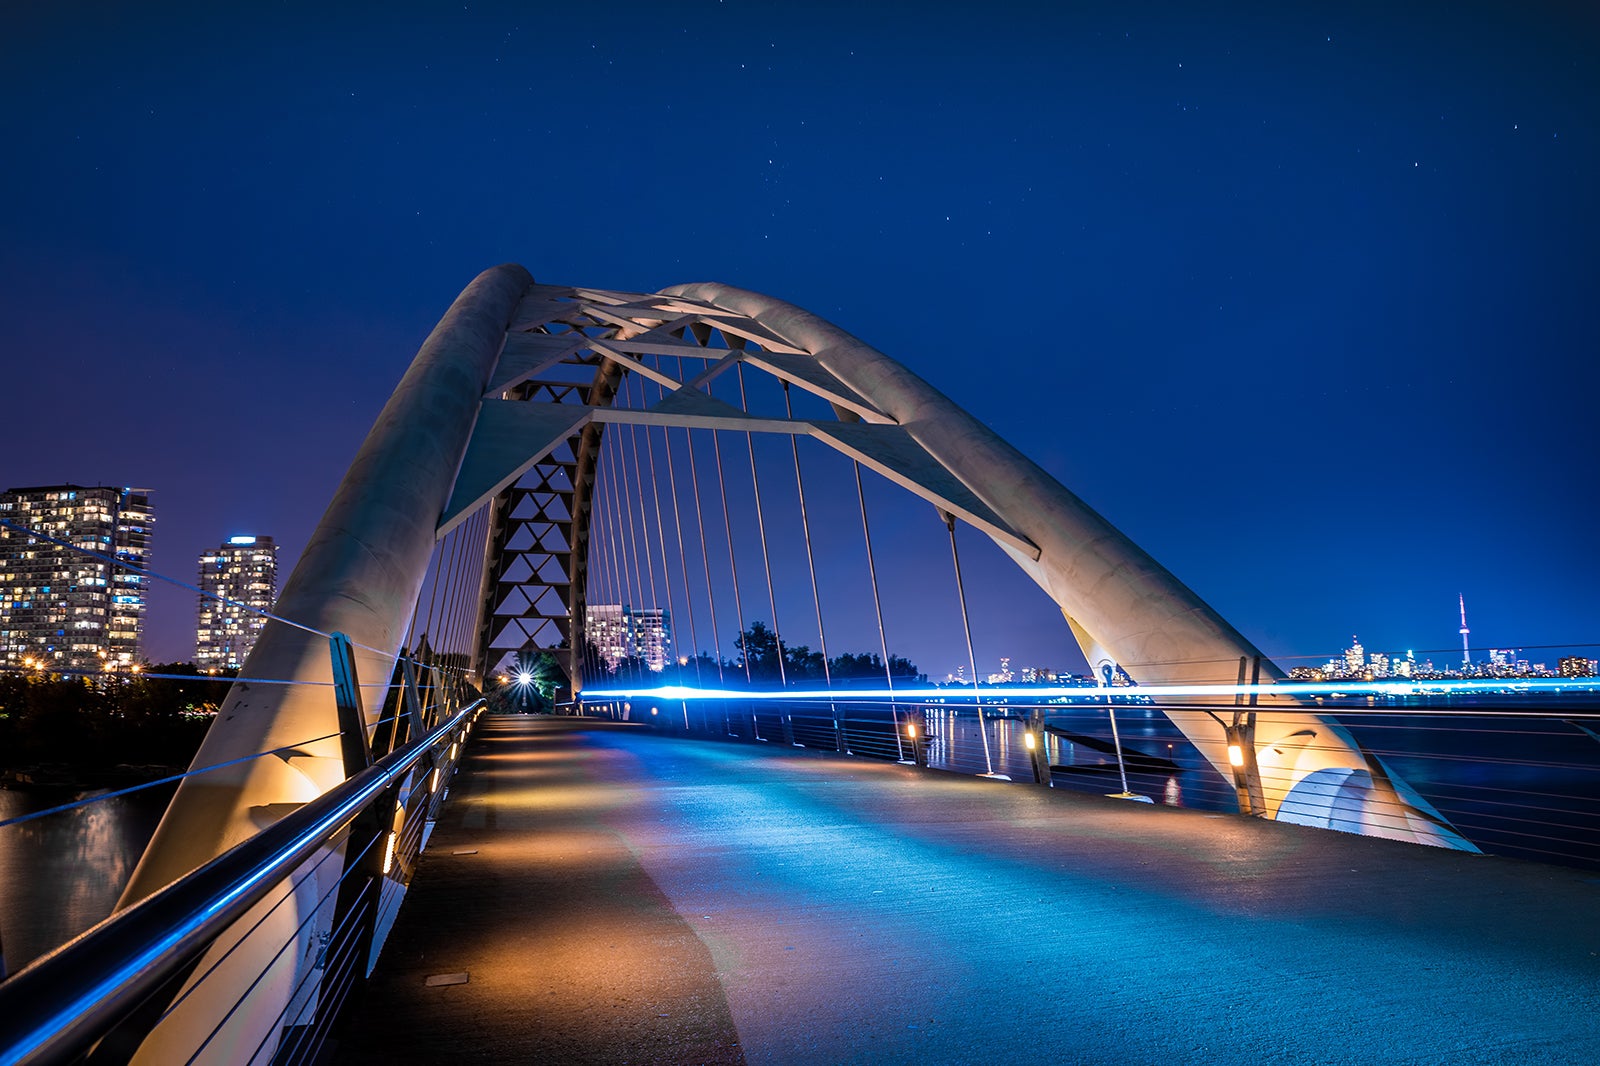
577,359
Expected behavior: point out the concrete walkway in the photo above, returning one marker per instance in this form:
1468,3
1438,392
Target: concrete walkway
614,896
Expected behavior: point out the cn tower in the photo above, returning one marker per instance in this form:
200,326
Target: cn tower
1466,656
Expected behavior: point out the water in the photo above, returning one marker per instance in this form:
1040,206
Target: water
1521,785
61,874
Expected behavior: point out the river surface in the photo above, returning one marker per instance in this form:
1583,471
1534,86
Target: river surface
61,874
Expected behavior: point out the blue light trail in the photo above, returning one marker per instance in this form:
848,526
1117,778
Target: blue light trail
1441,687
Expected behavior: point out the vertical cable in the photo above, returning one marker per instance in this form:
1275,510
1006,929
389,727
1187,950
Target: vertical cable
700,527
966,626
733,565
683,558
761,527
669,627
661,525
661,533
677,525
840,741
805,528
616,558
877,606
644,521
447,576
627,546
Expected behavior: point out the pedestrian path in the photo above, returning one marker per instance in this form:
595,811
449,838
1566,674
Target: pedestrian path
614,896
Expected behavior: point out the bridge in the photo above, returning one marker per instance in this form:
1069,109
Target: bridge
520,509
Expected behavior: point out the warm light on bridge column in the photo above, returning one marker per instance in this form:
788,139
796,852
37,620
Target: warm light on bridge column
1029,742
1235,755
911,730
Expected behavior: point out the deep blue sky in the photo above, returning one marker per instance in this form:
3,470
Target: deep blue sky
1301,297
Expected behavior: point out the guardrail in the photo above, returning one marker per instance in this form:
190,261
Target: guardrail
210,947
1517,778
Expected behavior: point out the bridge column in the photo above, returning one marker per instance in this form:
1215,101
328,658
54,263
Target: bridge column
360,574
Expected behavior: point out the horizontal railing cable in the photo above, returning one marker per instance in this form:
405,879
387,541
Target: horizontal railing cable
123,564
1455,747
196,771
61,1004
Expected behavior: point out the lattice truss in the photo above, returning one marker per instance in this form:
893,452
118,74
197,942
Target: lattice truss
576,360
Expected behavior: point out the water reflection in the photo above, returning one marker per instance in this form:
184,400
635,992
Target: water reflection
61,874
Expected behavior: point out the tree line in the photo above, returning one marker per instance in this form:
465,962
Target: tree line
758,653
102,722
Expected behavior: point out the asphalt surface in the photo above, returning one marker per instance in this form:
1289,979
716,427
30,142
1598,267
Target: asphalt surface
615,896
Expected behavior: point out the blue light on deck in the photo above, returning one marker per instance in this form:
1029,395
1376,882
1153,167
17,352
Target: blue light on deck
1441,687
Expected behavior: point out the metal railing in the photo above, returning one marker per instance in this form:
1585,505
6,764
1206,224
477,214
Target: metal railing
103,994
1516,778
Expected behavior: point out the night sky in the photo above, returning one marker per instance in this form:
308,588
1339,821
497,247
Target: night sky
1301,297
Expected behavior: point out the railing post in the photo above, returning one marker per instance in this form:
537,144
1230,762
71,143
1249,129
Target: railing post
917,733
1038,754
354,745
1241,736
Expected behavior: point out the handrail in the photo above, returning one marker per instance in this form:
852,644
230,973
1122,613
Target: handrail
58,1006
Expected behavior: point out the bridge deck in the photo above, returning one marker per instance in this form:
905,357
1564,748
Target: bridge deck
632,898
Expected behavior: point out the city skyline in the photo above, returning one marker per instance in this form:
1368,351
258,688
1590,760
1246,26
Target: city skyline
1299,301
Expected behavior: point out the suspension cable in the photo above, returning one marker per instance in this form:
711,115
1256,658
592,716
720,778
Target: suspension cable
630,542
661,525
616,557
661,530
733,565
644,520
669,617
877,607
761,526
677,525
805,527
700,526
966,626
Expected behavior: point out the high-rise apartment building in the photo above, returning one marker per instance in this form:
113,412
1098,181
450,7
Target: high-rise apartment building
237,581
620,632
648,632
65,603
605,630
1575,666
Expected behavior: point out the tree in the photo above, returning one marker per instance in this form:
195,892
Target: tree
759,651
760,647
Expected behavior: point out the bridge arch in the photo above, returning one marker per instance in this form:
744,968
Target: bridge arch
519,380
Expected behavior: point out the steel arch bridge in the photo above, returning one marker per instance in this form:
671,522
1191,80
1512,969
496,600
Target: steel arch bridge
496,430
503,413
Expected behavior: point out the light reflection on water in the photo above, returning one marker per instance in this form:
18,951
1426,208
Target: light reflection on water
61,874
